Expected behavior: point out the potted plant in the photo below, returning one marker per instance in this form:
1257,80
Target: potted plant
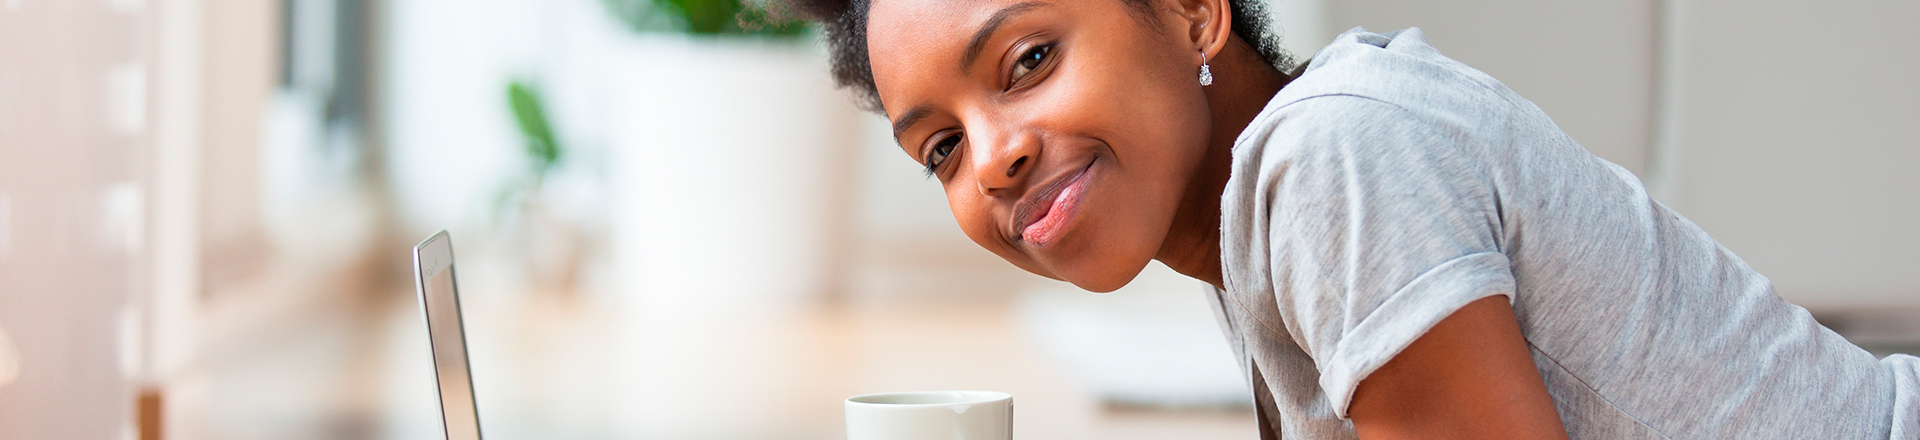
729,175
730,158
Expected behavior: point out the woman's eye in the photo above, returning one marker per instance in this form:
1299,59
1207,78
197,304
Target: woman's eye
1031,60
938,154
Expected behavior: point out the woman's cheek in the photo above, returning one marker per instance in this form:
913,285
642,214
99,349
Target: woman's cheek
974,216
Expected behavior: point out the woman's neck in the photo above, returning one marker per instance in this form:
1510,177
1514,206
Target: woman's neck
1243,84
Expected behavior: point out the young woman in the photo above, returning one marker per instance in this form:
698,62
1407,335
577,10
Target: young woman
1399,245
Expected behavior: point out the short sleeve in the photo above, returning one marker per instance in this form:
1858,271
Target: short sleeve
1379,224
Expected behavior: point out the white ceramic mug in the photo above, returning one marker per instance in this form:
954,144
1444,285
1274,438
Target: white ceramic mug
931,415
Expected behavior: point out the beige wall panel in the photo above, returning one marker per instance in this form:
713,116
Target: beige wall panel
1796,138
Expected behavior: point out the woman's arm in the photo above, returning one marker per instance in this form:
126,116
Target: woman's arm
1470,377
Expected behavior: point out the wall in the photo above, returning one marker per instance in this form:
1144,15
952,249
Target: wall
1784,128
1795,131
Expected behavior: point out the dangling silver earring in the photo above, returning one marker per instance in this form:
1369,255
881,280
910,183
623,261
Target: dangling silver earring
1206,74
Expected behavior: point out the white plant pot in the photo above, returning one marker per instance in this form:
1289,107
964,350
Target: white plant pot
729,163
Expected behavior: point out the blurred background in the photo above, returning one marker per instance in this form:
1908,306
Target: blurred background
670,224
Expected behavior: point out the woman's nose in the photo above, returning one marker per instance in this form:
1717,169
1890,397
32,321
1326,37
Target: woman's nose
1002,162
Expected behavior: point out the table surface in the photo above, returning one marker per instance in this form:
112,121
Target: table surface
553,366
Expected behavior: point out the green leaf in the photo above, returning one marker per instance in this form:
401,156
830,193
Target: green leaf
533,125
707,16
704,17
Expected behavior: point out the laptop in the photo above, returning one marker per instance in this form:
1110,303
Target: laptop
440,305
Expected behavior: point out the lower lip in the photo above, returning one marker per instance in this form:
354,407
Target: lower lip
1051,226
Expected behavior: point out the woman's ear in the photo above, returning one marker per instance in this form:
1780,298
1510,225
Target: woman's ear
1209,24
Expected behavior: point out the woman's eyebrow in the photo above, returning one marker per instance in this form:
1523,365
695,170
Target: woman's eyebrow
908,119
1000,17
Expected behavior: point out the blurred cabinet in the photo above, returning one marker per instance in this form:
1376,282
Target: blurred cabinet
77,177
112,115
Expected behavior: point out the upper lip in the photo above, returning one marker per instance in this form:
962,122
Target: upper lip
1035,205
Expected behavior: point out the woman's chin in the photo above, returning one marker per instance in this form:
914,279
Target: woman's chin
1103,276
1104,284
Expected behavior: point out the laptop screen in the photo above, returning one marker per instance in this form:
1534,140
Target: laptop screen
440,302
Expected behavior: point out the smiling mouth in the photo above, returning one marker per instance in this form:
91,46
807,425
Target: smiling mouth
1042,217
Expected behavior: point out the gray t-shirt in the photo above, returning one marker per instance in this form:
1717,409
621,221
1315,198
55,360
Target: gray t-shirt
1389,185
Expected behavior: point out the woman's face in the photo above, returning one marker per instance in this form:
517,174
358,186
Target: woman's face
1064,132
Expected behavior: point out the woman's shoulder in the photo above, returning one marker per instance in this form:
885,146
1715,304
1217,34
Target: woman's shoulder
1363,76
1386,65
1370,92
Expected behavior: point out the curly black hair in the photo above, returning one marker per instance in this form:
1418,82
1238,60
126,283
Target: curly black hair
843,23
